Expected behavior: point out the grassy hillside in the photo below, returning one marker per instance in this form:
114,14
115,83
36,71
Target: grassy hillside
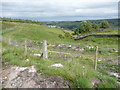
78,65
36,32
32,32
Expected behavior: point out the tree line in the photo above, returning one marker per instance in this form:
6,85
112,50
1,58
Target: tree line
87,27
19,20
72,25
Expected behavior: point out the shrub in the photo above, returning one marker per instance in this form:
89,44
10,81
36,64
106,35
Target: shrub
104,24
68,35
95,26
61,36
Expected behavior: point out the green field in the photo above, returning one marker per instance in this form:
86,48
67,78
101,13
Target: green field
108,32
41,32
78,68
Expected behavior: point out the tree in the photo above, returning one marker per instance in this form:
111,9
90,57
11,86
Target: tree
85,26
105,24
76,32
95,26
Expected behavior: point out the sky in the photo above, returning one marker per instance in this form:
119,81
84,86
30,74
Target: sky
59,10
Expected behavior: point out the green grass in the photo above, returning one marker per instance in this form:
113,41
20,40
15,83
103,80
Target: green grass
80,84
108,32
108,82
42,32
5,25
69,31
71,71
79,70
35,32
107,42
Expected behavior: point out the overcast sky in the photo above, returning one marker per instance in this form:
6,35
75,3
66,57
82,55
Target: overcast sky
60,10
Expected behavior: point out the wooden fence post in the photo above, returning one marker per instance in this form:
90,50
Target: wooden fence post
25,47
96,57
45,52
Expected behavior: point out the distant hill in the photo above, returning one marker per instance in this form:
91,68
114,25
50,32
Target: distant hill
72,25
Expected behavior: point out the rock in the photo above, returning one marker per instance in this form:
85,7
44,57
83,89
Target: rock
116,51
60,45
95,82
89,47
76,49
37,54
57,82
27,77
69,46
99,60
27,60
73,47
83,67
16,45
50,45
32,69
113,73
81,49
57,65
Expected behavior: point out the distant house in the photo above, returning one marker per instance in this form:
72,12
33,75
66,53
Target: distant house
52,26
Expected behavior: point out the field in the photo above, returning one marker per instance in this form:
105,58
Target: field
77,57
108,32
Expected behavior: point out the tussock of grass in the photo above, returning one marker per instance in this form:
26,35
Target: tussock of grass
107,81
106,85
83,83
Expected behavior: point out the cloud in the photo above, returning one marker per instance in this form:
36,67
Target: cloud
60,9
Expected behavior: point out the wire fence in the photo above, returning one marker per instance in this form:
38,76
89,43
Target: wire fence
57,51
